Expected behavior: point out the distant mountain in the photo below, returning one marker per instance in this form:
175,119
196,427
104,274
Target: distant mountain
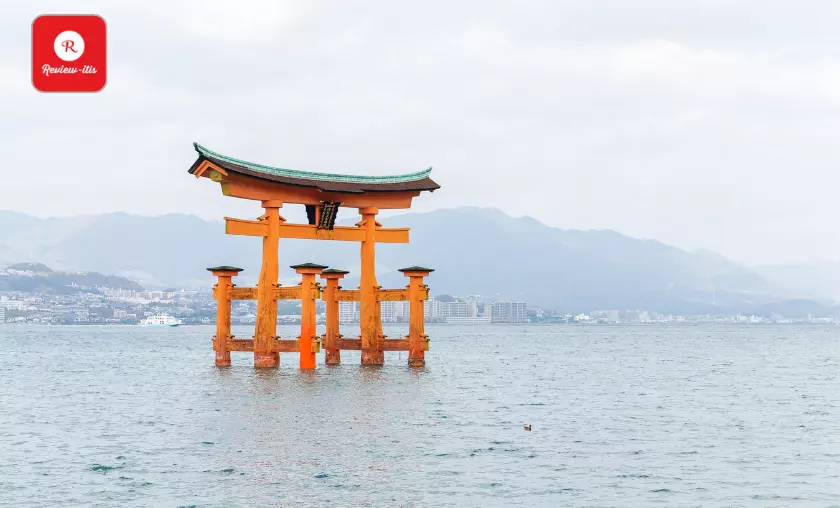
39,278
489,253
473,250
30,267
816,279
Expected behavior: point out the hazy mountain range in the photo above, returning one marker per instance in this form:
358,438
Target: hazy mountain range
815,279
475,251
39,278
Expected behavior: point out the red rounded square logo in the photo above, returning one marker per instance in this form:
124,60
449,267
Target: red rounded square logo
68,53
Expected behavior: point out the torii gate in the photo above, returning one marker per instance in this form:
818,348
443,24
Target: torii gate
322,194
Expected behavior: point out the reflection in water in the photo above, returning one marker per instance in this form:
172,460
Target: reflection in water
632,416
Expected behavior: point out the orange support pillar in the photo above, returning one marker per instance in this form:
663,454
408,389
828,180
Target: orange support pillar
417,339
369,315
309,291
221,292
333,352
266,329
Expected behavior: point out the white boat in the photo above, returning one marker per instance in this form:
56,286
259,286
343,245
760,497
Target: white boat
160,320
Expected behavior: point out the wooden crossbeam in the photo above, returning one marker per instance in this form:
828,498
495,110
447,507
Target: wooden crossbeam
280,293
342,233
391,295
387,344
350,344
343,295
395,345
288,293
382,295
245,227
277,345
348,295
311,232
293,346
245,293
240,344
285,346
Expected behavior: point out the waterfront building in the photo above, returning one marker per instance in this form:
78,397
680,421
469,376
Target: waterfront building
348,312
506,312
156,295
2,315
394,312
458,309
432,310
12,304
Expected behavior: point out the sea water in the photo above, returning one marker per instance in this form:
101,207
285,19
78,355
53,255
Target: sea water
620,416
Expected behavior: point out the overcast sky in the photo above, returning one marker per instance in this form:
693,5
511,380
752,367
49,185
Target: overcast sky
703,124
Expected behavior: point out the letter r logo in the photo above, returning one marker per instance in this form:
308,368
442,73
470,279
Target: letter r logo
69,46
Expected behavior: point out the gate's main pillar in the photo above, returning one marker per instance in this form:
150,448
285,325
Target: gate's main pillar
221,293
332,351
309,291
266,328
369,316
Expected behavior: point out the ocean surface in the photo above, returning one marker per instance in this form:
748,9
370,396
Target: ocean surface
621,415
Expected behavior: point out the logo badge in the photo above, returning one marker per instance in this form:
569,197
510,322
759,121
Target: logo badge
69,46
68,53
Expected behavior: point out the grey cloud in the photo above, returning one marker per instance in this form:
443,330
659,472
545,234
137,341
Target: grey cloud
702,124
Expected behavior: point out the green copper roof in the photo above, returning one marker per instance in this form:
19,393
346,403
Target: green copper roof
308,175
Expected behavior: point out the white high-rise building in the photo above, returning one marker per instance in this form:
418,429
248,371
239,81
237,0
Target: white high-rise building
431,311
348,312
11,304
2,315
506,312
394,312
465,309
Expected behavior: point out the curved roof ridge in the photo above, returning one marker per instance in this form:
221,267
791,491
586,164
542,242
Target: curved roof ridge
309,175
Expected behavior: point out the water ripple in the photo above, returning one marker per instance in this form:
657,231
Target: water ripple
621,416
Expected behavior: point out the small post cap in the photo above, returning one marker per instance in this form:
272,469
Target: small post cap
413,269
334,272
308,268
224,268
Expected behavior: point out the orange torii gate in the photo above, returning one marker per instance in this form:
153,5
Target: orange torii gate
322,194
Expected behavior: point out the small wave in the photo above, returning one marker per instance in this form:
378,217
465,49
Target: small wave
99,468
